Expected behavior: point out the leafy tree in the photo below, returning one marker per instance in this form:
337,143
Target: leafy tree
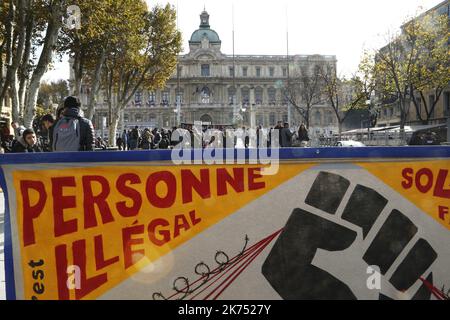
27,25
431,73
144,59
104,25
346,96
52,93
413,62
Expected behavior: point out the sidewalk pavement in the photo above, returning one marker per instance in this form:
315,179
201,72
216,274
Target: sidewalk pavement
2,262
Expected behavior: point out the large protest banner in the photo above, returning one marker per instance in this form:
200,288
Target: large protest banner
333,223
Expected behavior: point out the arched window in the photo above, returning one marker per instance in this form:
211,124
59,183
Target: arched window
180,96
272,119
272,95
138,98
330,118
231,95
205,70
205,95
151,98
165,100
258,95
245,92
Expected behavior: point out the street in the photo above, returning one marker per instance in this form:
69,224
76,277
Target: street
2,266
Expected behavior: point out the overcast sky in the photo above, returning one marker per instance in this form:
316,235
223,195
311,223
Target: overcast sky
329,27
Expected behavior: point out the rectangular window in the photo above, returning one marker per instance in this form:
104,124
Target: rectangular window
244,71
284,72
272,95
205,70
151,98
271,71
231,70
258,72
165,98
138,98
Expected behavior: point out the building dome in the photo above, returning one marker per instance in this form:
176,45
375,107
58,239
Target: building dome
204,31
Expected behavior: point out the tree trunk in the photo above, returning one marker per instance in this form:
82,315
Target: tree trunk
308,108
112,129
403,115
13,70
14,95
9,33
45,59
24,68
23,85
339,129
77,73
95,85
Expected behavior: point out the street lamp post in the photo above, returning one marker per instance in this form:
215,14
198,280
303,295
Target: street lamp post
252,111
178,110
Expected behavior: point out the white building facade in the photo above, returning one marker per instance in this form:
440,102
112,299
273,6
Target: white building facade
221,89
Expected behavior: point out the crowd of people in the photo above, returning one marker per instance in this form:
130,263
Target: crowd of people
207,137
68,130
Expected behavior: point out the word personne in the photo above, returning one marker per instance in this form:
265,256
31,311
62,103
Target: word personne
56,195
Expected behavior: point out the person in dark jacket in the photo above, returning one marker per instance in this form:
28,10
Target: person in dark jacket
303,135
278,127
125,139
72,110
26,143
286,136
48,121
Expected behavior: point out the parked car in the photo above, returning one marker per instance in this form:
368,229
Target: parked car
349,143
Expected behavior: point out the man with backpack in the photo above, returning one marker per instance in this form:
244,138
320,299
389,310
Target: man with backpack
73,132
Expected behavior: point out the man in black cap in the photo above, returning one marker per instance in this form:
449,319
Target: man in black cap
73,132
